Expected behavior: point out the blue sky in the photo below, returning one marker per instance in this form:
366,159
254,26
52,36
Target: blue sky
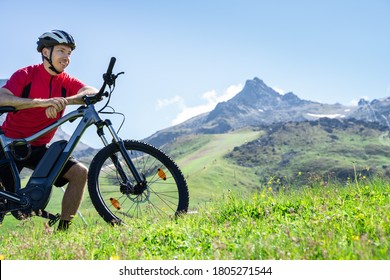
182,57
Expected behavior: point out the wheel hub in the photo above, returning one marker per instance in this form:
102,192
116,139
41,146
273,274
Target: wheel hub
127,188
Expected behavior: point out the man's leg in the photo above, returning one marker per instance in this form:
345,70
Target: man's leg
77,177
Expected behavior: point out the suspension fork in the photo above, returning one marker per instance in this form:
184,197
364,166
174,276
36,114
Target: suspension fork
122,149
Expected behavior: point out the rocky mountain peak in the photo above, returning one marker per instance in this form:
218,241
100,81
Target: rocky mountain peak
256,93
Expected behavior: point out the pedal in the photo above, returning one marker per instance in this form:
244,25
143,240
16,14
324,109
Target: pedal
54,219
47,215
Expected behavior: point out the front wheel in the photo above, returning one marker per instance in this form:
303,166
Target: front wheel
163,190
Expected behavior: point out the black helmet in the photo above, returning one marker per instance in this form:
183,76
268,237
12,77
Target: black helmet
55,37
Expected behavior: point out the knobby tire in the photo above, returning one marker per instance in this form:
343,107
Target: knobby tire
166,192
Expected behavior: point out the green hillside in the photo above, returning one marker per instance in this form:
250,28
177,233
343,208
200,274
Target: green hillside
325,150
293,153
208,173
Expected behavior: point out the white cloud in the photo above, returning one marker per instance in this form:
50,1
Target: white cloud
279,90
161,103
230,92
211,99
190,112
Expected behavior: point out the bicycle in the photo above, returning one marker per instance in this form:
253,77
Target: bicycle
126,178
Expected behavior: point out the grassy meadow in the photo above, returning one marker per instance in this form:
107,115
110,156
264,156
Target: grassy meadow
232,217
316,222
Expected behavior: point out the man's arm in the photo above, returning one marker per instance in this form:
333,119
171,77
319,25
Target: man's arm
52,105
8,99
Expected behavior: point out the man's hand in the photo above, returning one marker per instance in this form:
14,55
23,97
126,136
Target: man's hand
54,105
51,112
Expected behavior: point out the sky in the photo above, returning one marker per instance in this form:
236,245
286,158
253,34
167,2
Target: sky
181,58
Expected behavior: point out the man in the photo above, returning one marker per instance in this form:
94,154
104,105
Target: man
40,93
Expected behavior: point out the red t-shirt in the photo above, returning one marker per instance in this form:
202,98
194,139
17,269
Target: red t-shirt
35,82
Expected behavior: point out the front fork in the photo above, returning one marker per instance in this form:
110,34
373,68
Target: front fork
119,142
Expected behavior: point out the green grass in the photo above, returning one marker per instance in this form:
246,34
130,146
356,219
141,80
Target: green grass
314,222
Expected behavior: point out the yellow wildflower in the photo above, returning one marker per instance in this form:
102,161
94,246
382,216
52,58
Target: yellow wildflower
355,238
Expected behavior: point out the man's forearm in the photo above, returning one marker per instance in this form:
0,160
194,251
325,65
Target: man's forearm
8,99
78,98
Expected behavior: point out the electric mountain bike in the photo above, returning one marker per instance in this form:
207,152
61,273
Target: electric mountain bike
126,178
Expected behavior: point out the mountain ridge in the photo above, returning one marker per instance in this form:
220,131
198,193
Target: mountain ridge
256,104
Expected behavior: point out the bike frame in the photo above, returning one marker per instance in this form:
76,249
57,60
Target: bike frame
36,193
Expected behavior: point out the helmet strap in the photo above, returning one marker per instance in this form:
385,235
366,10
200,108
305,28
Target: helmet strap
52,68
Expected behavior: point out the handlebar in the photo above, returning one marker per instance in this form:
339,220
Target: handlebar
109,80
107,77
111,66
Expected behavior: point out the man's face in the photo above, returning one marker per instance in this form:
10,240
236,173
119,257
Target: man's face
60,56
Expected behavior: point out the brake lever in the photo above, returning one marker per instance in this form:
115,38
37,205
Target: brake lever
110,79
120,73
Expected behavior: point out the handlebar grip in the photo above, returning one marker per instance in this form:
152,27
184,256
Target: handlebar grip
109,79
111,66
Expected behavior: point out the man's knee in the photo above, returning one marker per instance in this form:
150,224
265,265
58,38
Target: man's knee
77,172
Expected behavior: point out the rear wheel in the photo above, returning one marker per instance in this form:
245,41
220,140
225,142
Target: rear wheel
163,192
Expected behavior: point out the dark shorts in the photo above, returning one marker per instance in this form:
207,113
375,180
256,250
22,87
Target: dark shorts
37,152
